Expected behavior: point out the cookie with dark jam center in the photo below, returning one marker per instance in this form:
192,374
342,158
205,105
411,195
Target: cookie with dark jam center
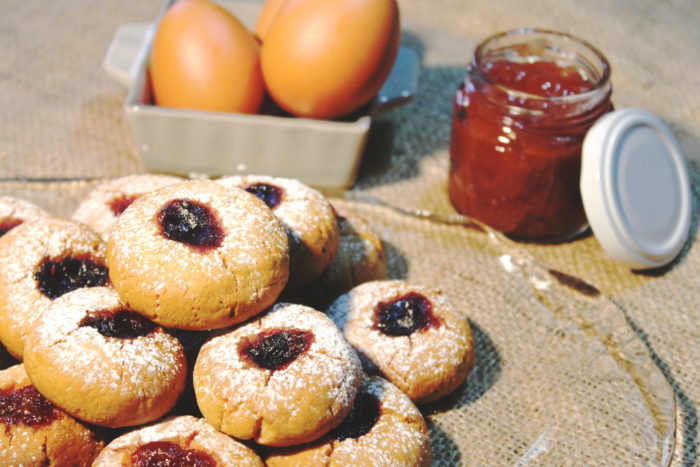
269,194
58,276
192,223
275,349
404,315
120,323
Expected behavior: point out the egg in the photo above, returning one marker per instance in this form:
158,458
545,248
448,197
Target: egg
324,59
267,14
204,58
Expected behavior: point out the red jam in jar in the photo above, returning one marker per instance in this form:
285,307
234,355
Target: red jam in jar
519,120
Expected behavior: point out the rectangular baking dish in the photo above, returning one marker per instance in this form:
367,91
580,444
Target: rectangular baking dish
323,154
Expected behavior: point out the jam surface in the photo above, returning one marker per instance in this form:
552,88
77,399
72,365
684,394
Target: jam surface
275,349
58,276
120,323
26,406
541,78
364,414
405,315
519,172
8,224
169,454
119,204
192,223
269,194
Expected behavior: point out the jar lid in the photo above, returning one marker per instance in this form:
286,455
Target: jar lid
635,188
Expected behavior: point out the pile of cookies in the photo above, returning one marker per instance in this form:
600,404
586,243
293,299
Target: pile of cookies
177,322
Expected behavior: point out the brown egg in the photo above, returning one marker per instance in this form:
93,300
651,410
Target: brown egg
204,58
267,14
324,59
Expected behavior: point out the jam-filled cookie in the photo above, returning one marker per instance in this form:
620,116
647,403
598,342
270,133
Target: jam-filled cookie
306,215
384,429
285,378
104,204
15,211
177,441
197,255
34,432
360,259
104,363
41,260
412,335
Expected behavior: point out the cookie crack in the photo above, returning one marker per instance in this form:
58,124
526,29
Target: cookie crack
324,353
396,373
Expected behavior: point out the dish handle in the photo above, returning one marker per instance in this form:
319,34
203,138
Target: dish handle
127,47
401,84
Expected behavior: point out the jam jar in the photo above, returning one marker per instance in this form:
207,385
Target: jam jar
519,121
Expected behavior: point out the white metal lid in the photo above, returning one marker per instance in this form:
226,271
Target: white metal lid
635,188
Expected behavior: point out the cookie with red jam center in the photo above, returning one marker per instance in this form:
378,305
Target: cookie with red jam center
15,211
412,335
102,362
307,217
41,260
286,377
102,206
183,441
198,256
34,431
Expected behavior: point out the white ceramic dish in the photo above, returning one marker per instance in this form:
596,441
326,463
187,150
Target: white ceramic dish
323,154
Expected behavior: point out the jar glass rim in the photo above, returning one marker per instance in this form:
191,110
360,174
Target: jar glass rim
602,82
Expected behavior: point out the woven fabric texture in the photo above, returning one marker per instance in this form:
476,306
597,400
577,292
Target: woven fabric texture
562,377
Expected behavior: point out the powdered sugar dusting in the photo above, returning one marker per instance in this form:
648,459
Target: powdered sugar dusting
309,219
95,209
419,364
18,209
21,444
296,403
244,274
98,373
398,438
186,431
21,252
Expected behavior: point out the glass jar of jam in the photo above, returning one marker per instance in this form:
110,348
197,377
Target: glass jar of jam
519,120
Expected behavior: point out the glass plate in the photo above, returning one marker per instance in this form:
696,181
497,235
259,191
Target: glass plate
560,377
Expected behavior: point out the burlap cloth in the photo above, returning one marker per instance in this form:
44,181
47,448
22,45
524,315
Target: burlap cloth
564,376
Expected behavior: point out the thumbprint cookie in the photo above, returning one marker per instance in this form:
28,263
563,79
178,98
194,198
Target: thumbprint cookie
198,256
40,261
384,429
183,441
286,377
15,211
307,217
34,432
101,207
412,335
104,363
